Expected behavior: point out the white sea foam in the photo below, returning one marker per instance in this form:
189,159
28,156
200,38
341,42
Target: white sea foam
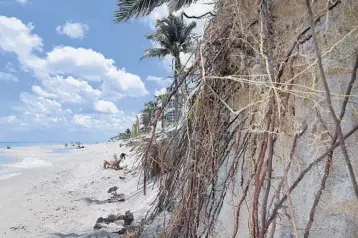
30,162
6,176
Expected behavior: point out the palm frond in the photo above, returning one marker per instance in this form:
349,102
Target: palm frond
150,36
164,40
134,8
175,5
188,46
155,52
173,36
187,31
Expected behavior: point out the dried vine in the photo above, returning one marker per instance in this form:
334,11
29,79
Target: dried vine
241,124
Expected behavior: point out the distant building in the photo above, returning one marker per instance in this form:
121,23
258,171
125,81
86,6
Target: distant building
121,136
169,110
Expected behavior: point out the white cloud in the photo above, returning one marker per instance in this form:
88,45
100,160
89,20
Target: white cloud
18,38
40,92
74,30
71,82
119,82
103,122
105,107
87,63
160,81
23,2
160,92
156,14
197,9
81,64
8,77
82,120
38,112
93,66
71,90
41,105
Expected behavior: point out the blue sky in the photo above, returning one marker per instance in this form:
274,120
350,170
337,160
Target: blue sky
68,72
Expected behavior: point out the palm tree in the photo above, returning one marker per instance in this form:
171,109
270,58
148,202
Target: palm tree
134,8
173,36
128,131
149,113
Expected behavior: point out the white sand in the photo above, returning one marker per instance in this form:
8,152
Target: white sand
46,193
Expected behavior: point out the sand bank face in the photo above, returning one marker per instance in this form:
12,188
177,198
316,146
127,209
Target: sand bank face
58,193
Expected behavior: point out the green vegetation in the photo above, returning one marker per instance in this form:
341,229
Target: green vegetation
134,8
174,37
149,113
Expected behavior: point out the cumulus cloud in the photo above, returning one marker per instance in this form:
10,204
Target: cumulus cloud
67,66
77,78
103,122
41,105
83,64
71,90
74,30
40,92
18,38
90,65
105,107
82,120
119,81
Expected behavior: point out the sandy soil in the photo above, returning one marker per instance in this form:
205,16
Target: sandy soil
62,195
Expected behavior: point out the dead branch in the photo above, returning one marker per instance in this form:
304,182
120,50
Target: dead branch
199,17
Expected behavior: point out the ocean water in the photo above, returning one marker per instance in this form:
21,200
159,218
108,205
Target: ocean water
5,171
24,144
5,159
10,167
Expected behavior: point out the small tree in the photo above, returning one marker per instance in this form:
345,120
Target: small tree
149,113
173,36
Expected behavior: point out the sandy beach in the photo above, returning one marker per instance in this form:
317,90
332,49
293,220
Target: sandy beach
62,194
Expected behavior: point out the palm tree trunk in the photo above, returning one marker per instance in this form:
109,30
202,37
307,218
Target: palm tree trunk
176,77
163,119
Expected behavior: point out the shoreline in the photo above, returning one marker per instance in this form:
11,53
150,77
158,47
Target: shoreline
21,158
56,200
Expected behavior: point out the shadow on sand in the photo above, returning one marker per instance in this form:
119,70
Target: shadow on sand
100,233
96,201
